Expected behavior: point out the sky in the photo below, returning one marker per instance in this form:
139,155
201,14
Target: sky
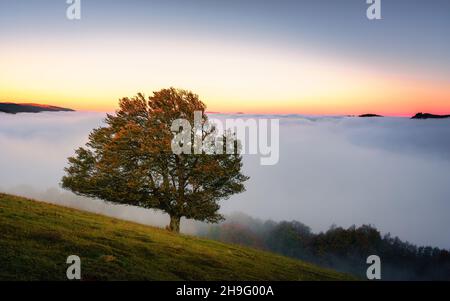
391,173
273,56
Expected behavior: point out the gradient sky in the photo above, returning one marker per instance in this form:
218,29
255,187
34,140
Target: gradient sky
254,56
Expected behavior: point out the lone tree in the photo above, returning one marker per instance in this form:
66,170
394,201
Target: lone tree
130,161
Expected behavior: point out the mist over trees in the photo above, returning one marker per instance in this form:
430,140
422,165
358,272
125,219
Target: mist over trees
345,250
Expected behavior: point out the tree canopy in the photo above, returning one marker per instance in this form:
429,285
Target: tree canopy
130,160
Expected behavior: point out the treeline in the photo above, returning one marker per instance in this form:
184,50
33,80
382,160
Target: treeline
341,249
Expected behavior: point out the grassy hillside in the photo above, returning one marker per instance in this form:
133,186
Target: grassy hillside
36,238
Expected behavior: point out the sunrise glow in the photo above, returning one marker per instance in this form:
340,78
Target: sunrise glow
86,67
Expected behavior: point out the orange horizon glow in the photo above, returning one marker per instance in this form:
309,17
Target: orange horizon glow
227,79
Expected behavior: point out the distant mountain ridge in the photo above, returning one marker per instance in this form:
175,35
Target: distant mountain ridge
14,108
417,116
429,116
370,115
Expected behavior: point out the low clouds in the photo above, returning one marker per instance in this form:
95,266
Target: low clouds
354,171
34,147
423,138
390,172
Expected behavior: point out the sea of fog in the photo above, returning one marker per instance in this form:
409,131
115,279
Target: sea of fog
393,173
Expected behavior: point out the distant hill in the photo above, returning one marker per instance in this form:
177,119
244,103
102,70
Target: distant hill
370,115
14,108
36,238
429,116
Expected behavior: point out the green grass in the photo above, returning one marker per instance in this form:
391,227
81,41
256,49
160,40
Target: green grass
36,238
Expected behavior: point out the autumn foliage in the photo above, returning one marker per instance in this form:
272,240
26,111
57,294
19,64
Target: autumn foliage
130,161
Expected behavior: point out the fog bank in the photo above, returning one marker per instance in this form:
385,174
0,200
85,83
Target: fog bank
390,172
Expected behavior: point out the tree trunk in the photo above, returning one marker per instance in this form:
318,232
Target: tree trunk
174,225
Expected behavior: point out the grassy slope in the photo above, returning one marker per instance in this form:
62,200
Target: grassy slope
36,238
